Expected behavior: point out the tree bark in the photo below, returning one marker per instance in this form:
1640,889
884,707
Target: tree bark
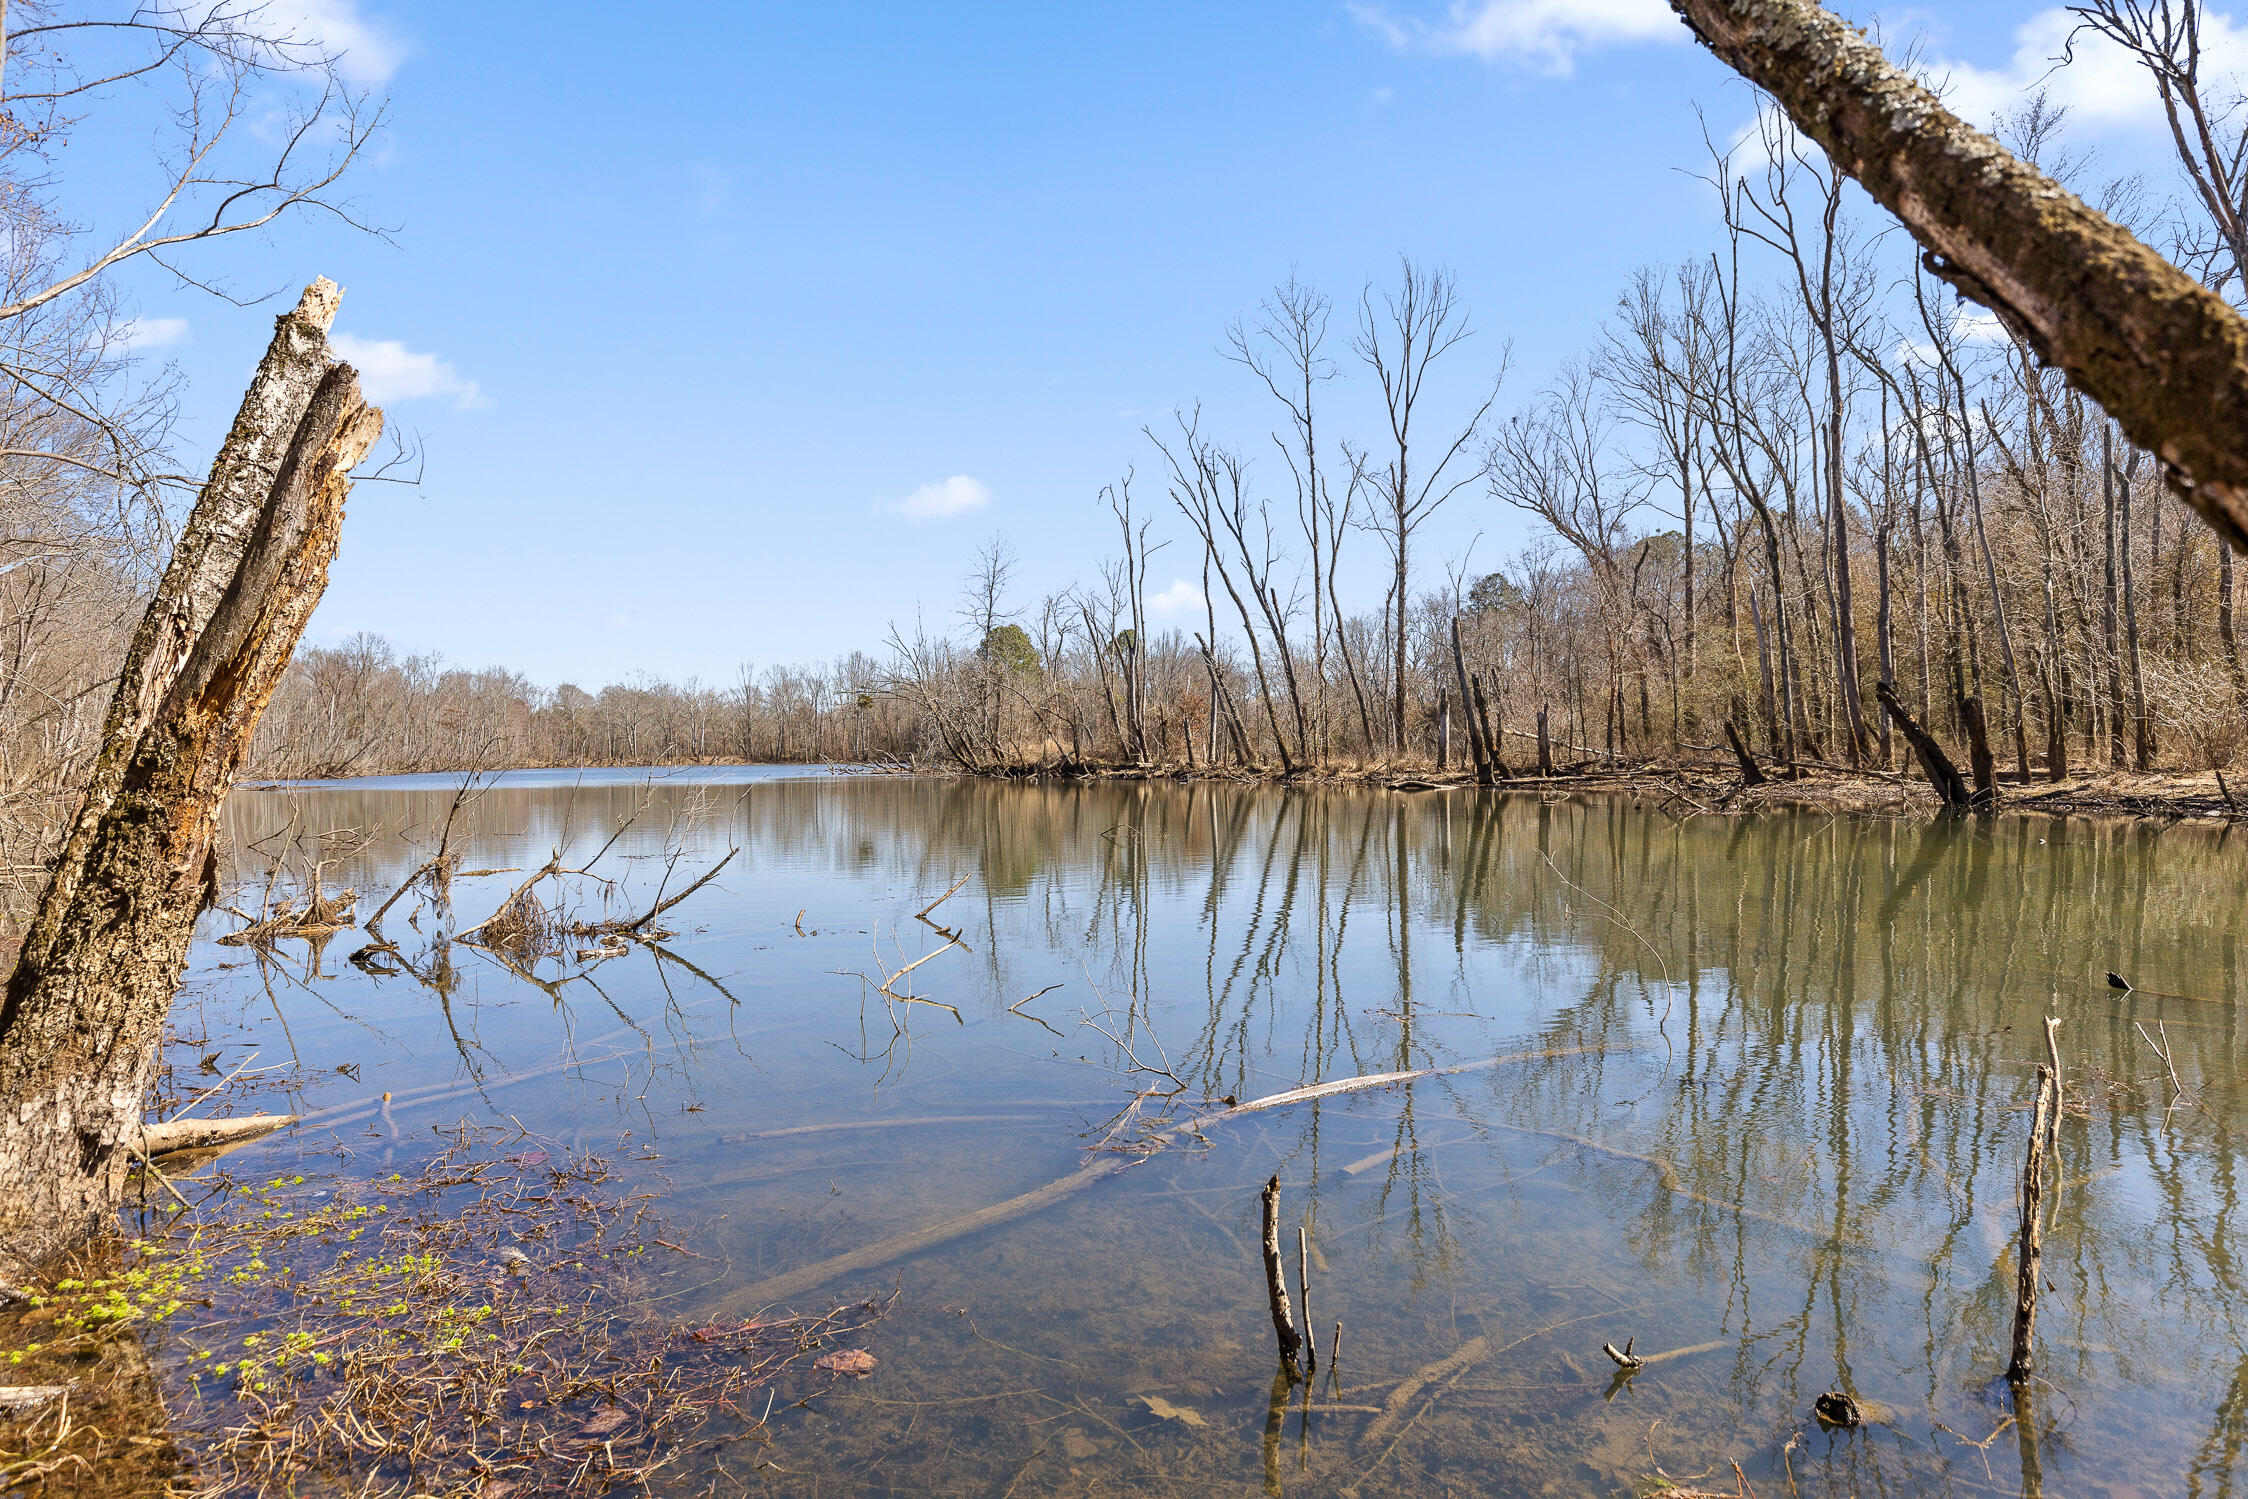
2165,355
1750,774
1937,766
85,1007
1480,750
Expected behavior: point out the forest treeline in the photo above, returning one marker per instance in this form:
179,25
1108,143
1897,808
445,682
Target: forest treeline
1789,470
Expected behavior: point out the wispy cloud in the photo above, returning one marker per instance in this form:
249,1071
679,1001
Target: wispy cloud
1543,35
946,498
144,333
1180,598
390,372
366,50
2102,86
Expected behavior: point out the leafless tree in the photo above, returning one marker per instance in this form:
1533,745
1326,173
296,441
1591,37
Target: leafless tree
1402,335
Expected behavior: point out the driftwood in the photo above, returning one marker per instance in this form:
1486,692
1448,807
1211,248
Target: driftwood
2163,354
201,1134
1099,1168
85,1006
1624,1358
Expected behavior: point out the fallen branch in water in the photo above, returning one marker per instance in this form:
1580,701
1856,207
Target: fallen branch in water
176,1135
904,1246
1446,1369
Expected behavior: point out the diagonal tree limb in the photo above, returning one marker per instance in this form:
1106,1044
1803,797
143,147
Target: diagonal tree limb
2163,354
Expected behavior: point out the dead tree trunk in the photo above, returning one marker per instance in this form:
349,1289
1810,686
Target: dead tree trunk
1477,746
1941,773
1978,753
1494,730
85,1006
2162,353
1750,774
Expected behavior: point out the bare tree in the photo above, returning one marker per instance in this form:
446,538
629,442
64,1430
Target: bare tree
1284,349
1416,324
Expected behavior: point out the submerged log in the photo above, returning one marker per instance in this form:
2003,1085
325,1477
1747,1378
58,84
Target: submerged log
2162,353
85,1007
1099,1168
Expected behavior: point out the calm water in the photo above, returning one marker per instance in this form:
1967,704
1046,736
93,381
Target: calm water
1778,1122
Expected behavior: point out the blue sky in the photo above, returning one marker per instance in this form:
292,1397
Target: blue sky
689,302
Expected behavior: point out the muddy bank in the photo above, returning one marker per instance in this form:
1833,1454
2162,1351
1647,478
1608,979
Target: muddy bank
1716,788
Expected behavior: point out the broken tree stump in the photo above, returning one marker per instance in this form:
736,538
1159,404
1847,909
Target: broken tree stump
85,1006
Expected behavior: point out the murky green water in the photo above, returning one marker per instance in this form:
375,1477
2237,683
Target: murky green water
1779,1123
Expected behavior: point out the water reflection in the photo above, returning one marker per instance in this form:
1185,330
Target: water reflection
1772,1129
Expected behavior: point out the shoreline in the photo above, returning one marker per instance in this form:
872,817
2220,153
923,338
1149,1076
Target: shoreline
1715,789
1708,788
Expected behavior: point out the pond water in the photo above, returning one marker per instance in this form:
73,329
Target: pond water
1762,1106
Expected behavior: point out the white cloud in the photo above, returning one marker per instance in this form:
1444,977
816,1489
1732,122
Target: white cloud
389,371
2103,88
949,497
1545,35
144,333
366,50
1181,597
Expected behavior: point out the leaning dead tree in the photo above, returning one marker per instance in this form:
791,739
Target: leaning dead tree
2165,355
85,1007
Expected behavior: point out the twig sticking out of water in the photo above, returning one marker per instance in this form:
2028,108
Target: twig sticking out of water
1276,1281
1625,1359
2053,1139
1303,1283
2177,1089
2027,1269
940,900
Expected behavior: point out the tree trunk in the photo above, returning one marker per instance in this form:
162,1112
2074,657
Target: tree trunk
2109,616
1493,730
1750,775
1978,753
2226,631
2165,355
1477,745
86,1004
1934,763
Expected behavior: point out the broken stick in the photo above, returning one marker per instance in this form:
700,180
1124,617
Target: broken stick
1276,1279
